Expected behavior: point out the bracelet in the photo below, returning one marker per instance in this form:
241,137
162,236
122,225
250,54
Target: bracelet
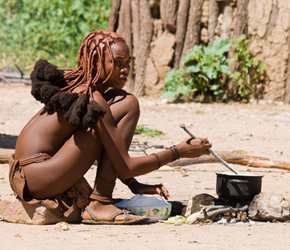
131,181
175,153
158,159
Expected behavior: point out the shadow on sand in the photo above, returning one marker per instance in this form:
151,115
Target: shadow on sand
8,141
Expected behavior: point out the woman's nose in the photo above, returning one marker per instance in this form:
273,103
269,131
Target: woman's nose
125,69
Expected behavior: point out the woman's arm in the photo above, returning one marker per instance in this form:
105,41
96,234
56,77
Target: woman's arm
126,166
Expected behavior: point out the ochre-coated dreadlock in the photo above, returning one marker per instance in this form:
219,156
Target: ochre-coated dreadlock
54,88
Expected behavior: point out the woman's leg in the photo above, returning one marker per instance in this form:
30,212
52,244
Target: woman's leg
125,110
72,161
56,175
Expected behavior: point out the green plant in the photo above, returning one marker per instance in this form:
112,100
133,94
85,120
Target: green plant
176,86
50,29
206,74
204,67
148,131
248,73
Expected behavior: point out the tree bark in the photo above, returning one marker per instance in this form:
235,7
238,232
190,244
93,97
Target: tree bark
168,9
114,15
287,90
242,18
142,35
181,25
241,27
125,30
227,22
193,26
163,12
213,19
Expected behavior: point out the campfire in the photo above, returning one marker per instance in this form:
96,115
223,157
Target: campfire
206,208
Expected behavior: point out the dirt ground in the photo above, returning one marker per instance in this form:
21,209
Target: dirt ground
256,129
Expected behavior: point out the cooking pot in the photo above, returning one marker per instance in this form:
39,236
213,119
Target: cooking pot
238,187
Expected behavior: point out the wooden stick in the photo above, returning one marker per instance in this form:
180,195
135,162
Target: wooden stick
235,158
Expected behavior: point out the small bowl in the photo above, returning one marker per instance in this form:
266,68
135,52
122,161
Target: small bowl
155,208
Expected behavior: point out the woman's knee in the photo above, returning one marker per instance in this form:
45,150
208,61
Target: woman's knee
133,105
122,103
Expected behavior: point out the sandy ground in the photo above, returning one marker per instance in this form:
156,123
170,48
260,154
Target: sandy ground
256,129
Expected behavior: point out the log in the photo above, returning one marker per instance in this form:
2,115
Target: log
235,158
212,19
5,154
181,26
10,77
192,36
113,17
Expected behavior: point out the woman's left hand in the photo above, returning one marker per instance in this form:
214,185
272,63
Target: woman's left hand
140,188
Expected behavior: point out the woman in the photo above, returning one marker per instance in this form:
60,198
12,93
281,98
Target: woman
87,117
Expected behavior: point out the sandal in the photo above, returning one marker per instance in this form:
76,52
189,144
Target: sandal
96,221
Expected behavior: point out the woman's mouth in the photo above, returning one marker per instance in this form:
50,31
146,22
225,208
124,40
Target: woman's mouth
123,78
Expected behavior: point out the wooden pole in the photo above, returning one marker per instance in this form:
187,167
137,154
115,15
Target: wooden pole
125,30
181,26
114,15
193,26
212,19
287,87
142,36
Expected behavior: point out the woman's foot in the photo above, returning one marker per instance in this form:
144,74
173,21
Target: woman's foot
109,214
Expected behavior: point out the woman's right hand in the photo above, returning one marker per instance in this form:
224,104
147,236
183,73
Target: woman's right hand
191,148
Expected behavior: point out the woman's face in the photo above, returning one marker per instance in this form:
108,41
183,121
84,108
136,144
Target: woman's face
121,57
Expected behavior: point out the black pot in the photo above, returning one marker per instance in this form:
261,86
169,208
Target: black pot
241,187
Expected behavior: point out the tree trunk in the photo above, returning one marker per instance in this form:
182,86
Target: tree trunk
227,22
240,28
193,26
287,91
168,13
213,19
242,18
114,15
125,30
163,12
182,16
142,35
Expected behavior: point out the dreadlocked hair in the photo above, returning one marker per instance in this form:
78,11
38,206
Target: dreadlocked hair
54,87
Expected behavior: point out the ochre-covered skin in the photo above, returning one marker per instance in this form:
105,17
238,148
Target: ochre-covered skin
88,117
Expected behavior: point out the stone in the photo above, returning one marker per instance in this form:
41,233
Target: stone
196,203
15,211
269,207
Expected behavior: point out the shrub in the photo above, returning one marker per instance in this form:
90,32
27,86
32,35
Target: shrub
207,70
50,29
